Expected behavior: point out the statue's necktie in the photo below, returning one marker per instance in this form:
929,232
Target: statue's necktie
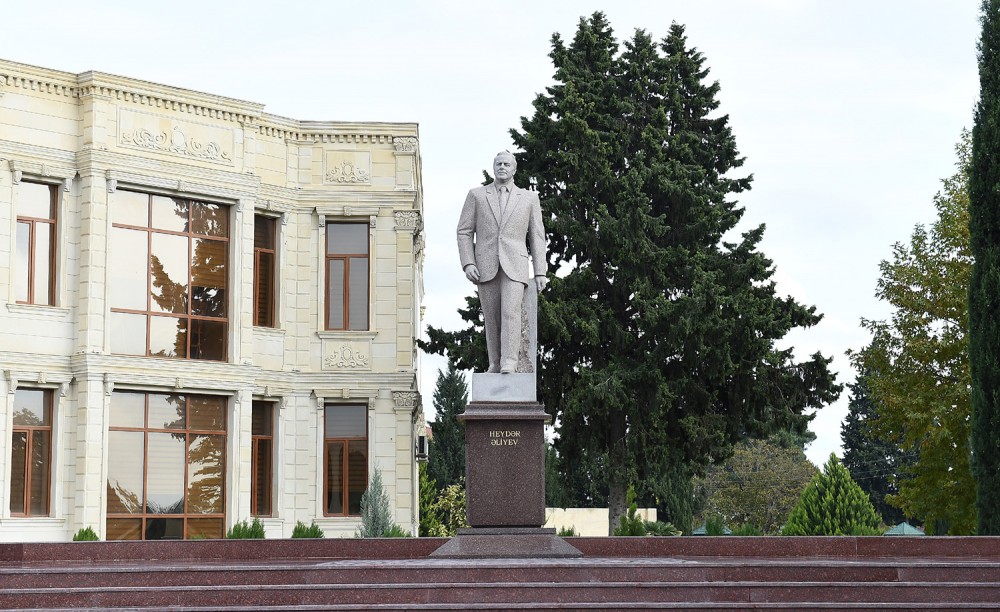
504,196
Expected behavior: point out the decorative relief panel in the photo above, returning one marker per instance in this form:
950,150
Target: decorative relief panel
405,144
340,355
182,138
348,168
407,219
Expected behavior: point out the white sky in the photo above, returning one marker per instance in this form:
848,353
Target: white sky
847,111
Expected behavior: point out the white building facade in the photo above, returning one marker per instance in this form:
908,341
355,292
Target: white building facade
208,312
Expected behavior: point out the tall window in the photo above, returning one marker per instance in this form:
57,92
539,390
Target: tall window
346,458
31,452
263,271
347,276
166,466
168,276
262,441
36,244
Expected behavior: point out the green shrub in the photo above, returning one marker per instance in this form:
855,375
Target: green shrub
630,523
715,527
567,532
450,505
395,531
748,530
86,534
246,531
307,531
659,528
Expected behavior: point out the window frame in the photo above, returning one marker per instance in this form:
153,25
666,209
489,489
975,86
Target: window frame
188,316
273,252
345,456
32,268
188,432
346,258
255,440
49,406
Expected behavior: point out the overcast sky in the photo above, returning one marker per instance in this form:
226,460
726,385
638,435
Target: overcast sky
847,111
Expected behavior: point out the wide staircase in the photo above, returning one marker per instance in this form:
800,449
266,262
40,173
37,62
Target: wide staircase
689,573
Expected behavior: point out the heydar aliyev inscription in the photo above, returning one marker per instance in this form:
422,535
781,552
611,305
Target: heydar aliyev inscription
500,226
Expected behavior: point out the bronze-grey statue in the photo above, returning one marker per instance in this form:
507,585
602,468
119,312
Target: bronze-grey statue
499,225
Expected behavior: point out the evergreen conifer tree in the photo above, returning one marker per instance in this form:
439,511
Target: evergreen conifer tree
833,504
446,453
984,287
657,337
874,463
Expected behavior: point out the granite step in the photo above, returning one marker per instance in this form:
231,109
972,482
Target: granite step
749,594
437,571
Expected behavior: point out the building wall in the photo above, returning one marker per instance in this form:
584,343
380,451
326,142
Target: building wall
93,134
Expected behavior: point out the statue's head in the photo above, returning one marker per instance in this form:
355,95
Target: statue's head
504,166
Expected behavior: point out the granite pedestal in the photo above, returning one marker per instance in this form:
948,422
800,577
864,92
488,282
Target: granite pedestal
505,474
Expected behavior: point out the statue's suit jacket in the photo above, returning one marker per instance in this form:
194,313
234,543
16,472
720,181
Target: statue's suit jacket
502,243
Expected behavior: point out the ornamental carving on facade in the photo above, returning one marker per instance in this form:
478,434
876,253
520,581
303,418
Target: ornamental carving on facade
405,144
176,143
347,172
404,399
407,219
346,357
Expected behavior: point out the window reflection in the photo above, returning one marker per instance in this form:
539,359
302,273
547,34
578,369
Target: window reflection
167,337
170,256
169,214
166,473
126,462
128,269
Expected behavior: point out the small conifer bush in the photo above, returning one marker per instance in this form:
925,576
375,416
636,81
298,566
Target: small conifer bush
311,530
86,534
833,504
246,531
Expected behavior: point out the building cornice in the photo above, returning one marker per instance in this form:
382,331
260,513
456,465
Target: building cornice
251,115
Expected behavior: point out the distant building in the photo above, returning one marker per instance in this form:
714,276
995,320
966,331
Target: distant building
208,312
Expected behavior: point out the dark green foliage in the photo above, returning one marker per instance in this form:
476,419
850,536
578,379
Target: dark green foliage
833,504
984,287
874,463
86,534
748,530
246,531
567,532
715,526
556,492
446,462
302,530
430,517
657,338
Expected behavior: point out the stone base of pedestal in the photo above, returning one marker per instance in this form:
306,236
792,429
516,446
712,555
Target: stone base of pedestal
506,543
505,464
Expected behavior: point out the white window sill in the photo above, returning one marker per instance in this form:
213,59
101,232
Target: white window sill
36,310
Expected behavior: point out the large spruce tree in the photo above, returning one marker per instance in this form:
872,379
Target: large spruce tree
984,288
657,337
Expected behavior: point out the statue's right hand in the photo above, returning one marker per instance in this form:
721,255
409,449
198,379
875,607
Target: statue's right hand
472,273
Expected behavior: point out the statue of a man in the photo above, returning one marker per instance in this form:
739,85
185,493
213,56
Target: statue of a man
499,224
